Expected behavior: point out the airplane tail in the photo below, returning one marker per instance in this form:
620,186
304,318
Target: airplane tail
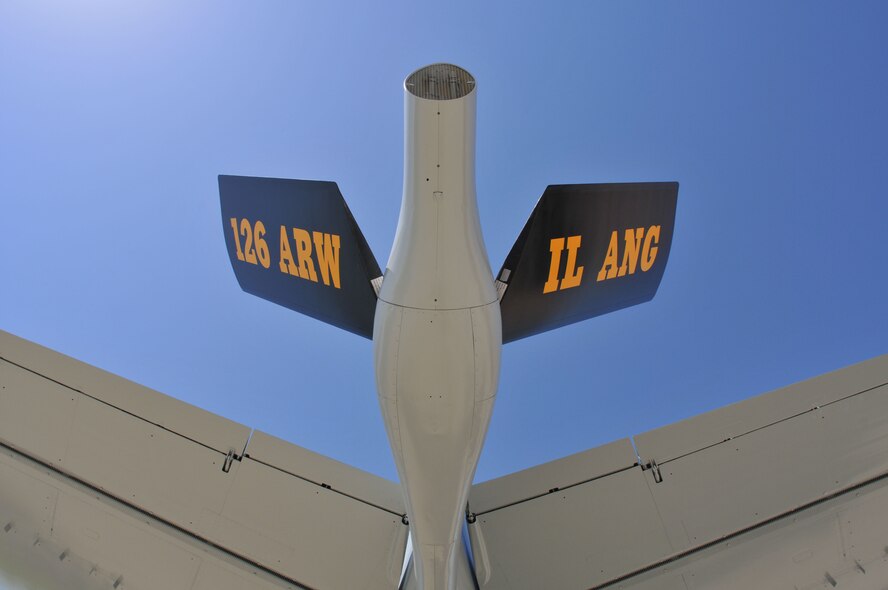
295,242
586,250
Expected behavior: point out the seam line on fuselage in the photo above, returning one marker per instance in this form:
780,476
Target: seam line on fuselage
206,446
327,486
110,405
437,278
769,424
556,490
494,300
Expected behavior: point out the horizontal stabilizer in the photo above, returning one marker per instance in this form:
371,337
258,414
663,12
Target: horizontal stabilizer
587,249
295,242
784,490
107,484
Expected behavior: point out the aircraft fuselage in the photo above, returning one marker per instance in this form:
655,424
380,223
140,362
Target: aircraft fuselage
437,335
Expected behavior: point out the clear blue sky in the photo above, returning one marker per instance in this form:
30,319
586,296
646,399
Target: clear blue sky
116,117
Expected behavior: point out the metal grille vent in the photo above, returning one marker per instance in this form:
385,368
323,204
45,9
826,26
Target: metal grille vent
440,82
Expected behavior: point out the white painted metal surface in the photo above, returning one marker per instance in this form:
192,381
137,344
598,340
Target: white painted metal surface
842,540
798,490
323,471
59,535
570,538
118,452
734,420
438,259
308,533
142,501
437,333
561,473
464,577
727,487
151,406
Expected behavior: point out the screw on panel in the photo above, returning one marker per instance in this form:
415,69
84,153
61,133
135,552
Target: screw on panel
117,582
830,579
404,519
8,527
63,555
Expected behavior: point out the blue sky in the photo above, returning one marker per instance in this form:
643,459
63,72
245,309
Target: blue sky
116,117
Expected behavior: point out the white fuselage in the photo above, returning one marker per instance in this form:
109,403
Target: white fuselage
437,333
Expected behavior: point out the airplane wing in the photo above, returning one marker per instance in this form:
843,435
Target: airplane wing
108,484
784,490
